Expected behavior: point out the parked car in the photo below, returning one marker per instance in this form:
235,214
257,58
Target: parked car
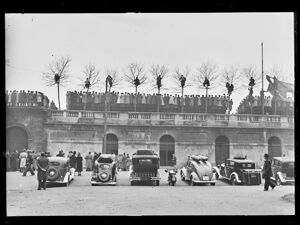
145,165
238,170
105,170
60,171
198,170
283,170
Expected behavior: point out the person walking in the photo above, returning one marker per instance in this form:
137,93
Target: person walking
23,161
79,164
88,162
43,165
73,162
29,162
267,173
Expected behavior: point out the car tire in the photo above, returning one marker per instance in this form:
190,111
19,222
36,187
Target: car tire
192,183
278,182
212,184
157,183
182,176
233,180
131,183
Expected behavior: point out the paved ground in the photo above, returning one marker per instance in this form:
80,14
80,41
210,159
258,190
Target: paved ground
80,198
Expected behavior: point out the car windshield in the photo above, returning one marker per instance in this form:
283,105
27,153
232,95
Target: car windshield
288,165
54,163
144,152
105,160
247,165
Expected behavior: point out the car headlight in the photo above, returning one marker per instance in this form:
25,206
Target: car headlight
103,175
52,173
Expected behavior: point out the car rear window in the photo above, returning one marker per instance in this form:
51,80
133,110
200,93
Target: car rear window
288,165
144,152
105,160
54,163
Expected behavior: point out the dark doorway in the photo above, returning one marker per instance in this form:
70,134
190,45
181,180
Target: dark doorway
16,139
221,149
274,147
111,144
166,150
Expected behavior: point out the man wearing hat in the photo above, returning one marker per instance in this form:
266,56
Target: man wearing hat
43,165
267,173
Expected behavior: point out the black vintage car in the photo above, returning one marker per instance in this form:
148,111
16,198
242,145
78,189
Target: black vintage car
283,170
60,171
145,165
238,171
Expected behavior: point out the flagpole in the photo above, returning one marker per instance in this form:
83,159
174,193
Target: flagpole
262,78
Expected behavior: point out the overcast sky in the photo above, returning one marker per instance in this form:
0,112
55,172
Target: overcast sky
114,40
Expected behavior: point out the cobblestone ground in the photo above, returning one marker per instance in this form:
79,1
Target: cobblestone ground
80,198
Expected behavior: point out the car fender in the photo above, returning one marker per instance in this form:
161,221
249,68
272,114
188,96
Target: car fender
216,170
279,174
195,176
236,176
66,177
72,173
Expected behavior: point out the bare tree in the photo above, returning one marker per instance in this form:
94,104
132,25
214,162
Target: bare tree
135,76
116,79
91,76
182,81
57,73
206,78
230,79
277,72
158,73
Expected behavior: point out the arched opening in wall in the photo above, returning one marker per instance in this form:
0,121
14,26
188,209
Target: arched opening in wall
111,144
166,150
274,147
221,149
16,139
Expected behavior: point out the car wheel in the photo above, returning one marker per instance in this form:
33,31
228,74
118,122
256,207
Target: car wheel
212,184
157,183
278,182
131,183
233,181
182,176
192,183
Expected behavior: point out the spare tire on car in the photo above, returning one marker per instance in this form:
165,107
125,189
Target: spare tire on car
52,174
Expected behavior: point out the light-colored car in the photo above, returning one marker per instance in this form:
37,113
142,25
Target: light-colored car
283,170
198,170
59,171
105,170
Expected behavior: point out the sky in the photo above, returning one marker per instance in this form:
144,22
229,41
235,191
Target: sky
32,41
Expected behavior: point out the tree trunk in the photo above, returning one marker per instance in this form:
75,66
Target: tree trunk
58,95
135,98
182,99
158,103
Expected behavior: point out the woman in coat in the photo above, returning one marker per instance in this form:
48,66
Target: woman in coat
79,164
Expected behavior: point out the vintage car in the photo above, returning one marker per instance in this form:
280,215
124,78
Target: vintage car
198,170
60,171
283,170
238,170
105,170
144,167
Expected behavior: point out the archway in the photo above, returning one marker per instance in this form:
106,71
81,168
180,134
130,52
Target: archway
274,147
221,149
111,144
166,150
16,139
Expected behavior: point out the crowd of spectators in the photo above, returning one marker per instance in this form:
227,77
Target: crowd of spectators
29,98
282,107
148,102
21,160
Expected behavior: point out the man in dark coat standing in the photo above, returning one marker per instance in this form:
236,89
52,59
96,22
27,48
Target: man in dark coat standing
43,165
267,173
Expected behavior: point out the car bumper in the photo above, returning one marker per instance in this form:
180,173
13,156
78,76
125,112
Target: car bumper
288,182
56,182
104,183
143,179
204,181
